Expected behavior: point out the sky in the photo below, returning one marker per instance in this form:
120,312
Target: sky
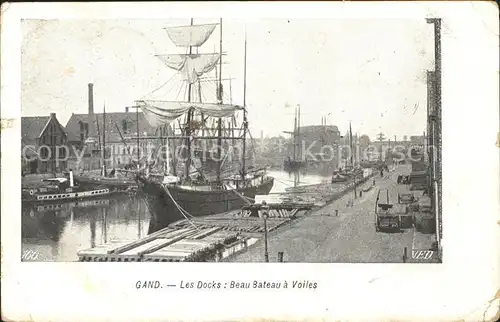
368,72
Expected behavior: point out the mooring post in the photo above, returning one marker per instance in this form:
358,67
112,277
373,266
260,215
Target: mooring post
265,209
280,257
405,256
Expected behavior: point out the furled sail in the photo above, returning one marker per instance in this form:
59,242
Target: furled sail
191,67
164,112
187,36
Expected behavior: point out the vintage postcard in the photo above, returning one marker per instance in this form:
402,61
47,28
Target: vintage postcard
250,152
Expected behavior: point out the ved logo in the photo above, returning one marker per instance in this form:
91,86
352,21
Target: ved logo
422,254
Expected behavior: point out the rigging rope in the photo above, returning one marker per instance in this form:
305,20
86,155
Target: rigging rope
180,90
169,80
181,210
283,182
246,199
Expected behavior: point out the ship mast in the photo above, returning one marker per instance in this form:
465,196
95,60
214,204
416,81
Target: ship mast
299,148
245,122
219,98
295,136
350,144
104,141
188,124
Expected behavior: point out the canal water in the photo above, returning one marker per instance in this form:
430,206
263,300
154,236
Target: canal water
57,233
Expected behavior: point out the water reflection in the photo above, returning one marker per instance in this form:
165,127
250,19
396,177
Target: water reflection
306,176
57,235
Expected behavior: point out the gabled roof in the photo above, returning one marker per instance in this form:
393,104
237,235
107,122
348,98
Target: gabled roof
112,120
32,127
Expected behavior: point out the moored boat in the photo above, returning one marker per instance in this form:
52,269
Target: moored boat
62,189
123,184
336,178
293,165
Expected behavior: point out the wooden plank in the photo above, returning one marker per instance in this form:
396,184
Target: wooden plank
206,232
102,249
167,254
166,242
144,241
140,249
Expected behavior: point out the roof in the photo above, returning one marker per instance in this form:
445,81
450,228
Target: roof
31,128
112,120
314,128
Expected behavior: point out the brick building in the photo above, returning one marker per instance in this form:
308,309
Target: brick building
118,129
44,144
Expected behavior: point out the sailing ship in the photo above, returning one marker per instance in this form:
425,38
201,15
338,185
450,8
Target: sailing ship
351,170
295,163
194,190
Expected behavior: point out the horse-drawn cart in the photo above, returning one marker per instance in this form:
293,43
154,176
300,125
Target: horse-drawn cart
406,198
385,218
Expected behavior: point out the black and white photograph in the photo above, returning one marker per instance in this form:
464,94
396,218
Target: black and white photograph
160,141
323,153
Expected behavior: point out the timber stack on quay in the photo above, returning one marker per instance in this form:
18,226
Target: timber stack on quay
199,239
166,245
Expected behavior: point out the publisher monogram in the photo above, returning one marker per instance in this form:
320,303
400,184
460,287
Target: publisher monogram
422,254
30,255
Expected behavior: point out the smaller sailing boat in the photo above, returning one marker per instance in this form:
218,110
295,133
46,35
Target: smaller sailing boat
351,169
295,163
113,180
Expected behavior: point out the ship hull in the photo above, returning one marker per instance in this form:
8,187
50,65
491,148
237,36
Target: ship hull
196,203
55,197
107,182
293,165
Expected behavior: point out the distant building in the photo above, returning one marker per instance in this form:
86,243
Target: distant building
418,139
118,130
319,140
44,144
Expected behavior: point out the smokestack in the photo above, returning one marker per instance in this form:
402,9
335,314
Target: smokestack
126,109
91,110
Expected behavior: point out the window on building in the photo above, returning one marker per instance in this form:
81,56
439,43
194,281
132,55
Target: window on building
44,151
124,126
